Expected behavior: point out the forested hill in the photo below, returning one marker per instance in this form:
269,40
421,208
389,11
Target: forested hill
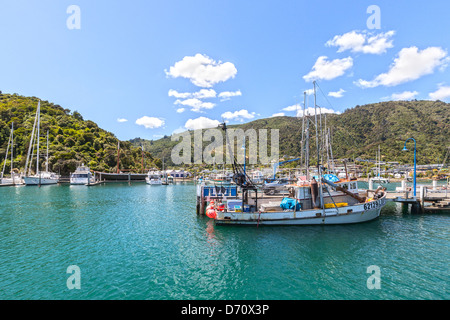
72,140
358,131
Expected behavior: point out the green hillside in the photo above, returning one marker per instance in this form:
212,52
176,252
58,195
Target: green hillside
72,140
357,132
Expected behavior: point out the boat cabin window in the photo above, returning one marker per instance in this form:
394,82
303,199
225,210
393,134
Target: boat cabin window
80,175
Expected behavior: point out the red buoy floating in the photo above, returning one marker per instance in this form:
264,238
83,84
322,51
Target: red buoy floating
210,211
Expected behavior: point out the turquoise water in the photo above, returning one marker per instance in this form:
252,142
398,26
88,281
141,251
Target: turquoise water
146,242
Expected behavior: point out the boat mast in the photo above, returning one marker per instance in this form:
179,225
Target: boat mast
306,142
303,129
30,153
319,170
6,156
46,160
37,137
12,151
118,155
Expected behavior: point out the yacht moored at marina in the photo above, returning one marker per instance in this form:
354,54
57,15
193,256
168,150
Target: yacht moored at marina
82,176
40,177
153,178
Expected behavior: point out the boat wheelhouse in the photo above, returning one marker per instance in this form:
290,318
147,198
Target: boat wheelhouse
82,176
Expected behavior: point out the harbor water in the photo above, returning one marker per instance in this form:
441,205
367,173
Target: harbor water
146,242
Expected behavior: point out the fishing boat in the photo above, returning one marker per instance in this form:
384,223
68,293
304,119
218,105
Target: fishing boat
82,176
316,200
40,177
153,178
306,206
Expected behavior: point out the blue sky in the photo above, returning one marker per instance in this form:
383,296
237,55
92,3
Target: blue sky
165,66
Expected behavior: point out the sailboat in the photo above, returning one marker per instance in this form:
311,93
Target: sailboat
15,177
40,177
315,200
378,178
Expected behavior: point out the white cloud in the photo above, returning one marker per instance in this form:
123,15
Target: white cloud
440,94
238,115
410,64
180,95
362,42
328,70
201,123
150,122
180,110
311,111
406,95
205,93
202,94
337,94
280,114
292,108
202,71
121,120
196,104
226,95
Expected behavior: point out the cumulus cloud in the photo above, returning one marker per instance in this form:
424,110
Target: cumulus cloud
150,122
121,120
227,95
336,94
201,123
292,108
196,104
410,65
238,115
202,71
202,94
406,95
311,111
328,70
180,110
362,42
280,114
180,95
440,94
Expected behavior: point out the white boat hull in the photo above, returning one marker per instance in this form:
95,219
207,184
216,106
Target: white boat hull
81,181
153,182
358,213
34,181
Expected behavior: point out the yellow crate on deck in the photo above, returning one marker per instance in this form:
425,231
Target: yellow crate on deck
339,204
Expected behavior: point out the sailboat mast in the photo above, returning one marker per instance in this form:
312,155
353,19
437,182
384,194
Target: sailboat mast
46,160
38,125
12,151
6,155
118,155
30,153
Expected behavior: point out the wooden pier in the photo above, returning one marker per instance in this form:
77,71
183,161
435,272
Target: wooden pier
426,201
